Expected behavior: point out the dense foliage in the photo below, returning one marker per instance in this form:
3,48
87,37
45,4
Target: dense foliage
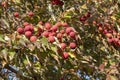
59,39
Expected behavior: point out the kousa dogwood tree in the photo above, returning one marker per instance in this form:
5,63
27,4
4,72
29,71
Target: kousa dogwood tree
59,40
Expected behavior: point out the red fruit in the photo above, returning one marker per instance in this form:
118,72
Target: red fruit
25,24
115,39
94,22
65,55
63,45
59,24
28,34
68,30
47,26
59,35
40,30
105,31
110,40
41,23
100,29
62,31
87,14
52,34
61,78
51,39
57,2
29,28
109,35
72,34
82,19
72,45
54,28
20,30
31,14
65,24
99,24
4,4
33,38
16,14
45,33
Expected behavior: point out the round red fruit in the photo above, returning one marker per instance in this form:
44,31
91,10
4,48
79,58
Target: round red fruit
72,45
65,55
59,35
25,24
4,4
33,38
28,34
20,30
29,28
31,14
63,46
16,14
45,33
68,30
109,35
82,19
62,31
59,24
47,26
54,28
51,39
72,34
65,24
87,14
41,23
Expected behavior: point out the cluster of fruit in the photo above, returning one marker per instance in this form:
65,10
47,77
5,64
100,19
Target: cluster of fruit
60,33
85,17
17,15
111,34
57,2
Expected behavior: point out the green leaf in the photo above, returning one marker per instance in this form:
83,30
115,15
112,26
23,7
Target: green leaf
44,41
2,39
11,54
54,48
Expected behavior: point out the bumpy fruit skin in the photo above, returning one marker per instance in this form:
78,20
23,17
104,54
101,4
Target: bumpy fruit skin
4,4
110,40
59,35
33,38
62,31
31,14
65,55
57,2
16,14
51,39
54,28
82,19
25,24
29,28
59,24
108,35
68,30
87,14
40,22
100,29
72,34
20,30
47,26
52,34
45,33
65,24
28,34
63,46
72,45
